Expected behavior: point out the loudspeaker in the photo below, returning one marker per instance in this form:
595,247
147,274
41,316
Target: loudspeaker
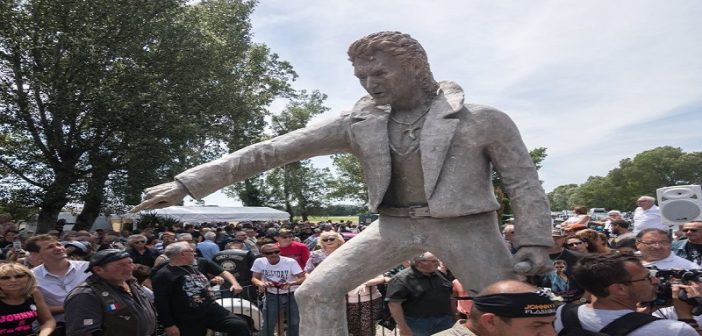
680,204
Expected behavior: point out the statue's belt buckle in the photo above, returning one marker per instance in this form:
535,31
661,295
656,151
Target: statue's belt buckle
418,211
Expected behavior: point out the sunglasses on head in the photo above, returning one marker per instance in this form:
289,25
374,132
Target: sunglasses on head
16,276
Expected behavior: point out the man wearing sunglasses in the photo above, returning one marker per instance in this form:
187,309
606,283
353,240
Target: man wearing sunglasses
690,248
292,249
618,284
278,277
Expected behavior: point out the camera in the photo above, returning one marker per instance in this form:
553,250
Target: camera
664,296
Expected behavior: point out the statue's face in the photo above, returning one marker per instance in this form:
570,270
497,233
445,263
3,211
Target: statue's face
387,80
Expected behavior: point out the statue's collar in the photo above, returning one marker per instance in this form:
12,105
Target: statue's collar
449,99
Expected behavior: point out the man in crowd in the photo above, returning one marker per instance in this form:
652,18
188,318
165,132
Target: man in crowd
654,245
619,283
208,248
504,309
647,215
237,261
249,244
292,249
621,228
278,277
138,251
419,298
185,302
110,302
690,248
508,233
428,158
57,275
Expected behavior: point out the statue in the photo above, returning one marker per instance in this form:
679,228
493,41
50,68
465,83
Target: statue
427,159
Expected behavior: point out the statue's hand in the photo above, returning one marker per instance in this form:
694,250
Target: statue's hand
161,196
531,260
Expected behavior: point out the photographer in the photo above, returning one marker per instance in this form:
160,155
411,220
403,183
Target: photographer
618,283
684,290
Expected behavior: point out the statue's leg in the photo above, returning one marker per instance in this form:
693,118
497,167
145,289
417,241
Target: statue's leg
473,249
378,248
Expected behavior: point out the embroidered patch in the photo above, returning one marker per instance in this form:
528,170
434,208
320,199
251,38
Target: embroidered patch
112,307
88,322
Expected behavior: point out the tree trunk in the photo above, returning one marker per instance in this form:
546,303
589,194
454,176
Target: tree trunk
54,201
92,202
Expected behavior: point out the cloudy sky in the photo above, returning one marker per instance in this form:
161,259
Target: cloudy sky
592,81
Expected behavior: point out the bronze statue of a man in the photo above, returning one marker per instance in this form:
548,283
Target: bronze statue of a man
427,158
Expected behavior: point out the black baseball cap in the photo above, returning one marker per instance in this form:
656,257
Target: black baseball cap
106,256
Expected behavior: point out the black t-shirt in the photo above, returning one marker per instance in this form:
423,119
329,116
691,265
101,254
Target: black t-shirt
236,262
694,252
181,293
421,295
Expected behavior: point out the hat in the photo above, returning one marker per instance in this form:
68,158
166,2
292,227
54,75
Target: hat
82,247
557,233
106,256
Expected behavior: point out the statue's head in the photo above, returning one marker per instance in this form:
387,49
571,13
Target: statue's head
401,47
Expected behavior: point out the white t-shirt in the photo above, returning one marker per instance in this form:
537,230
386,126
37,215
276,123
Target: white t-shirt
284,271
596,319
672,262
648,219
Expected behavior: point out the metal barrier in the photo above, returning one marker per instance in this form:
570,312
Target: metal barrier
363,312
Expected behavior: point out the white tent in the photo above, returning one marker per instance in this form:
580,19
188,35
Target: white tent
199,214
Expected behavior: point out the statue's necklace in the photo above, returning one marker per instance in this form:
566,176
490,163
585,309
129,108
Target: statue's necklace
410,127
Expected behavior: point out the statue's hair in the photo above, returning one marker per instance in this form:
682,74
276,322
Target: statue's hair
401,46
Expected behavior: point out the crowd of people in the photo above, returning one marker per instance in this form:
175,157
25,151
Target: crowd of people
165,279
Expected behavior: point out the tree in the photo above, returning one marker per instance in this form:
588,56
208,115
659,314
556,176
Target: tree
117,96
559,198
297,187
348,182
647,171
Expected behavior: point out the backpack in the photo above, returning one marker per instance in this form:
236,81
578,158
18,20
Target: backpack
620,327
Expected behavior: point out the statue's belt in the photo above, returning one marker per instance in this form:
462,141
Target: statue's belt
415,211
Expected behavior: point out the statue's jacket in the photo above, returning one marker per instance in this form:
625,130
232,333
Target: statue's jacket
459,144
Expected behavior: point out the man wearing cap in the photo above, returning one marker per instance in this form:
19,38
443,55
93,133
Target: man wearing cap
110,302
507,308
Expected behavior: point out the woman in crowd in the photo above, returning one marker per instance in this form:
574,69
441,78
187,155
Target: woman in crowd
364,303
558,279
596,241
576,244
578,221
20,297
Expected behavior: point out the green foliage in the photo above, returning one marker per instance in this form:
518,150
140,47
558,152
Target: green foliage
642,175
151,220
297,187
113,96
349,183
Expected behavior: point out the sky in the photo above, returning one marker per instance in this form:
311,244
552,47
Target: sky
592,81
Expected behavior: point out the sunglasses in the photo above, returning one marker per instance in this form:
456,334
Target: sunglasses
329,239
286,237
140,242
575,244
689,230
271,252
16,276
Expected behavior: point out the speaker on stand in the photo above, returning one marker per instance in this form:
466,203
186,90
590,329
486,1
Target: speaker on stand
680,204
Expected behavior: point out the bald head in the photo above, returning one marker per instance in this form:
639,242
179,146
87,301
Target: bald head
507,286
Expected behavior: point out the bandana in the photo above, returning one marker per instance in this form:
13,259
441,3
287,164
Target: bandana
516,304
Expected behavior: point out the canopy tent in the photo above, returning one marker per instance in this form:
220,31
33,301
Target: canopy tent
195,214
